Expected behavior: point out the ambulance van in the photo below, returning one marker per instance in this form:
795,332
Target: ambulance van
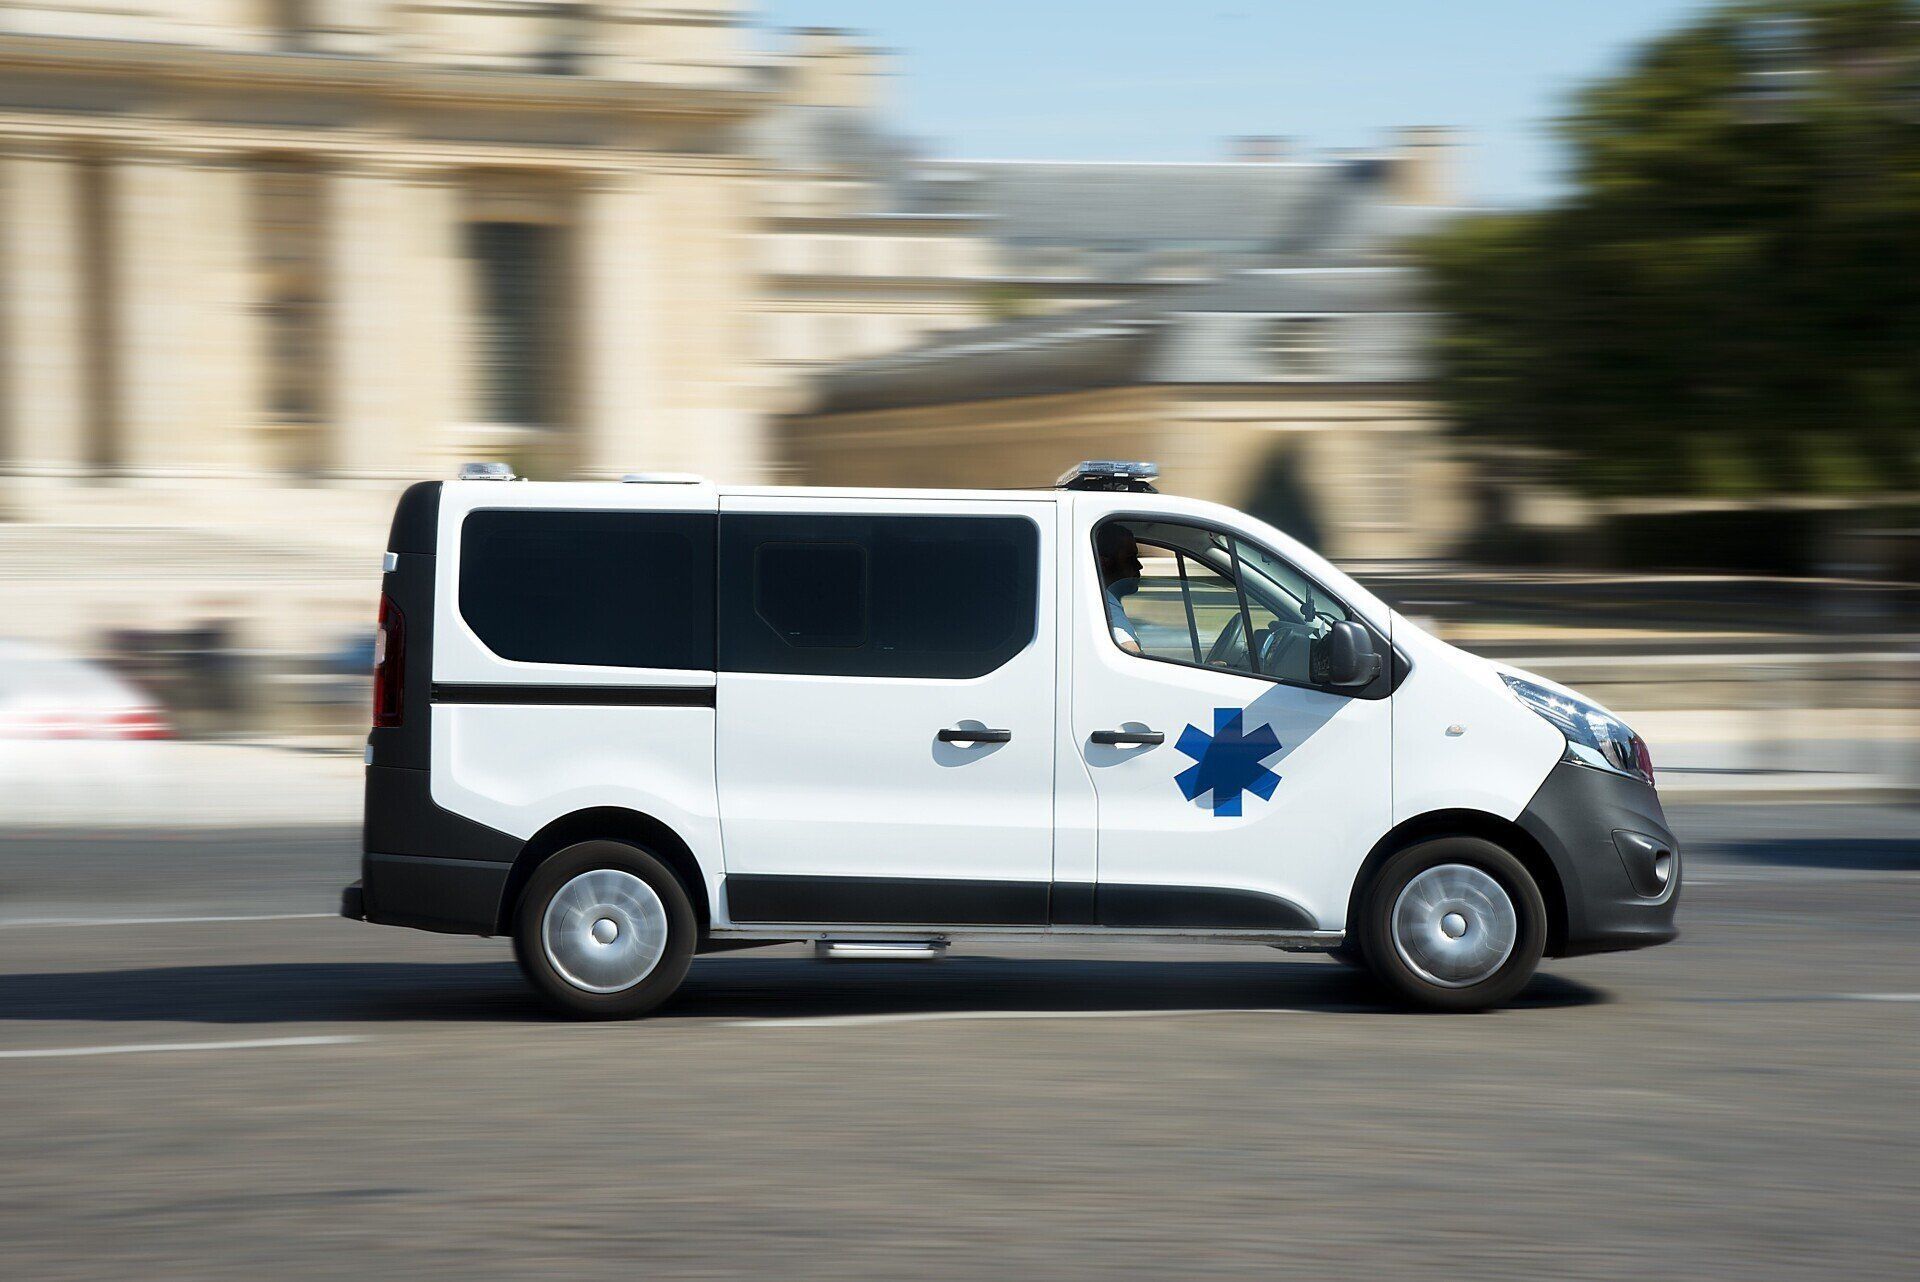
628,722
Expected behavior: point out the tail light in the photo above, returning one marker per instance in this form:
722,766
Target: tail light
139,723
389,664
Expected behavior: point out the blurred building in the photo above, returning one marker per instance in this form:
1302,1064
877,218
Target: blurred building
867,244
845,268
262,263
1294,392
335,240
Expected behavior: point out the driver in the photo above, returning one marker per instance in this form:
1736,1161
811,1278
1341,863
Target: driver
1119,556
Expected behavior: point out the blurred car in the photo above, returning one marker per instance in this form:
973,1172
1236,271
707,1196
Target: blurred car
48,694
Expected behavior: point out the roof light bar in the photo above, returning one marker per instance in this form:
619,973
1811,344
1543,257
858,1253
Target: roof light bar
487,472
1114,476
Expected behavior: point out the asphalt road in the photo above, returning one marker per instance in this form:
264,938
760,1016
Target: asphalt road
370,1102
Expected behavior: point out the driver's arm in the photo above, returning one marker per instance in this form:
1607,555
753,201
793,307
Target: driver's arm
1124,635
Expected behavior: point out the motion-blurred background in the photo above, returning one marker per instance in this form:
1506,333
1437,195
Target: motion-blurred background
1587,332
1644,420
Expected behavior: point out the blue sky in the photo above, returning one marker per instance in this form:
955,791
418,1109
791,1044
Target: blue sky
1153,80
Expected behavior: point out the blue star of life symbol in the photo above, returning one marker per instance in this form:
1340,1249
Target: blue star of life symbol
1227,762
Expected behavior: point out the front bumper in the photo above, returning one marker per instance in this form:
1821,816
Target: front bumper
1604,833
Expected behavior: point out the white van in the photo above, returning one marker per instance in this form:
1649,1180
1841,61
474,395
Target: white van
628,722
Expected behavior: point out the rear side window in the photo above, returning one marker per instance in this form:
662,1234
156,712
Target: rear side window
877,596
618,589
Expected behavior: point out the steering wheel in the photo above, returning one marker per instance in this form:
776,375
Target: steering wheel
1276,641
1227,647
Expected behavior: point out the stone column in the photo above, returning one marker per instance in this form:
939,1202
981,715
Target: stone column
621,420
401,319
697,237
189,336
42,313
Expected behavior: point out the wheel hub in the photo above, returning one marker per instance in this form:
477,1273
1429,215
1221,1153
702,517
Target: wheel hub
604,931
1454,925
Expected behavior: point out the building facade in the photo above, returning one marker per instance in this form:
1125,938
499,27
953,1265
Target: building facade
340,242
1295,393
866,244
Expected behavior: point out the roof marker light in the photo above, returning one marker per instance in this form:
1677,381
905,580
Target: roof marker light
1112,475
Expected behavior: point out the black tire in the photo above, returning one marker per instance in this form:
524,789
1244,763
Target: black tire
567,994
1349,954
1406,980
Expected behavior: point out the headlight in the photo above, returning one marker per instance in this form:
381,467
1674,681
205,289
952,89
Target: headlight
1595,737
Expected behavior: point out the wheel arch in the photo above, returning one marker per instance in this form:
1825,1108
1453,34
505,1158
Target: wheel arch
608,823
1504,833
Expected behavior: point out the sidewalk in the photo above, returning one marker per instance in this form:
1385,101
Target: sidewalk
178,785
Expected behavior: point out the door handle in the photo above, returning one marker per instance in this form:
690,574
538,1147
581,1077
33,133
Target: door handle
975,736
1127,738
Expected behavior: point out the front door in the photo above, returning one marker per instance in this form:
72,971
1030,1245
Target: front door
1232,791
885,710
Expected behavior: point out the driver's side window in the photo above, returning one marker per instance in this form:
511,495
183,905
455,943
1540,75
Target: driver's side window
1181,609
1174,592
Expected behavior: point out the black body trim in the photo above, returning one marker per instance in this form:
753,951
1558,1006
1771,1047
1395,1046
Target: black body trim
1574,816
416,520
1073,904
452,896
1198,908
403,819
577,696
940,901
905,901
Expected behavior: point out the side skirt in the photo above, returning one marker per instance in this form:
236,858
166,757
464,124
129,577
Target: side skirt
1302,941
756,898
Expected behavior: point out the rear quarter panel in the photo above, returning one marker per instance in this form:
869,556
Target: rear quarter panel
518,767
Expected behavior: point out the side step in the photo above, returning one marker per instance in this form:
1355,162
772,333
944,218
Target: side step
879,949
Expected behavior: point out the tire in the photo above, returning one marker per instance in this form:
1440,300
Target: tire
1349,954
1454,924
604,930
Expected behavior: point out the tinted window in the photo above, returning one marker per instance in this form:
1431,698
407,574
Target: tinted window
813,595
623,589
883,596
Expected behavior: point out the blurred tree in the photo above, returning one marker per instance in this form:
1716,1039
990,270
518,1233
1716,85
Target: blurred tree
1007,300
1728,300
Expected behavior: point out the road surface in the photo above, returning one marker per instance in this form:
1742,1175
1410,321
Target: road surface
206,1075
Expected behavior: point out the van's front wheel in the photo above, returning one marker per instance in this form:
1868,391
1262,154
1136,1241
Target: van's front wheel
1454,924
604,931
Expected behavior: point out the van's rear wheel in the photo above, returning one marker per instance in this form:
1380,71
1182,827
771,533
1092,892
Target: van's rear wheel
604,931
1454,924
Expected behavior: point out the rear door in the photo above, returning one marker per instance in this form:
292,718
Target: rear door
885,709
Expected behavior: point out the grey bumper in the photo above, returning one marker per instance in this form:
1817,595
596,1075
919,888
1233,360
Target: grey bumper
1607,835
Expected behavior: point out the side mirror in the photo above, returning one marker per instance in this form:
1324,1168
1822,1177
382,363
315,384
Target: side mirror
1345,657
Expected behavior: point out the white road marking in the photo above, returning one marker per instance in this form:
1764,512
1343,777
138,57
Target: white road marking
934,1017
1879,997
141,1048
12,922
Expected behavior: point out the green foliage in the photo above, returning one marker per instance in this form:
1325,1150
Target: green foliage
1728,300
1005,300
